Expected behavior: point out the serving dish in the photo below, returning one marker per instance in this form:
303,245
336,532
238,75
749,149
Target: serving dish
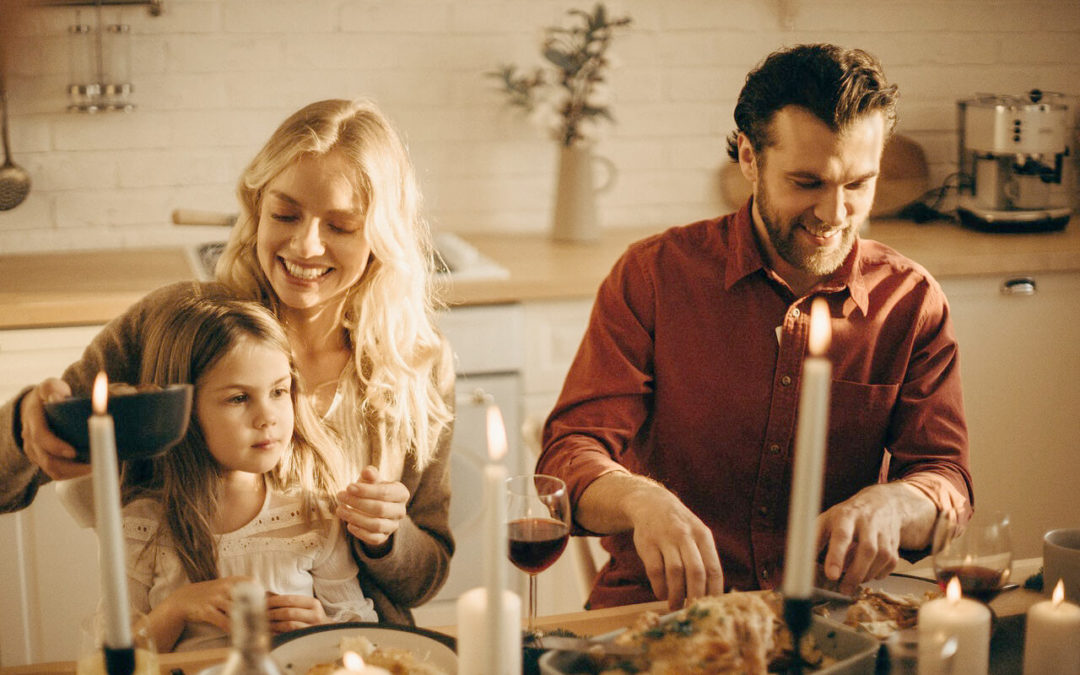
898,584
856,653
147,423
299,650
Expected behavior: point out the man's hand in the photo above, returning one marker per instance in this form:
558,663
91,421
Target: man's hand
676,547
372,508
292,612
865,533
55,457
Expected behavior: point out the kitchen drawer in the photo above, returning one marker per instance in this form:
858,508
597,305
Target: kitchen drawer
486,338
28,356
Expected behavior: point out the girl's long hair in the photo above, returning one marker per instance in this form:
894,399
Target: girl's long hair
182,343
391,407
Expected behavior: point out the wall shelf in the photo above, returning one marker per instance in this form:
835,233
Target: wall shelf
154,7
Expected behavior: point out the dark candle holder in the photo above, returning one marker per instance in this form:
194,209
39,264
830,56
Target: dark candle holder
798,616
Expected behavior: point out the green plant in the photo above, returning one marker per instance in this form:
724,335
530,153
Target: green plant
567,96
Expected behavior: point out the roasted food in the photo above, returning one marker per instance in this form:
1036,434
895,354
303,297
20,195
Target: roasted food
732,633
397,661
881,613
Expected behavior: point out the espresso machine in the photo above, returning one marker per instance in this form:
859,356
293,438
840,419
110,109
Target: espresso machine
1012,159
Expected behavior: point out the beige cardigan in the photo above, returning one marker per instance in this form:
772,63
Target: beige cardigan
418,562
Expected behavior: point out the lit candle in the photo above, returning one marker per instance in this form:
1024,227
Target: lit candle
107,514
489,618
801,554
954,617
496,535
353,664
1052,636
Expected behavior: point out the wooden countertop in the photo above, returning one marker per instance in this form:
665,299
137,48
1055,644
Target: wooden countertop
91,287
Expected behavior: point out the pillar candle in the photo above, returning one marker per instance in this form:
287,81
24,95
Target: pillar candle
800,556
954,616
107,516
496,538
473,651
1052,636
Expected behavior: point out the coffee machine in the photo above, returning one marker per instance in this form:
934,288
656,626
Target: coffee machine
1012,153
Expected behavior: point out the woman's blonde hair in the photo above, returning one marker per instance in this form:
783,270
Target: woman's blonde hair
390,407
183,342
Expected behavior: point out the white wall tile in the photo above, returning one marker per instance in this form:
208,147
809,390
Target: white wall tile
214,77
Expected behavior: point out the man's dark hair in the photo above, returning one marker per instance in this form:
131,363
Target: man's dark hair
836,85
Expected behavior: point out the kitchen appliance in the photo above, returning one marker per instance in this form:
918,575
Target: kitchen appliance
1012,154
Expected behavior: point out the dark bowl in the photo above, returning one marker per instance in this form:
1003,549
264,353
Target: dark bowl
147,423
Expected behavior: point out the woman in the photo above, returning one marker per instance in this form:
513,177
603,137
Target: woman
329,237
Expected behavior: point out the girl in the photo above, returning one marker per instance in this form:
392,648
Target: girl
244,494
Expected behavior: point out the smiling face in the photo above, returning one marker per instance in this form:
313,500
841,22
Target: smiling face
310,238
244,408
813,189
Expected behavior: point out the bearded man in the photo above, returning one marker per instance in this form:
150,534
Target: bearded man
675,427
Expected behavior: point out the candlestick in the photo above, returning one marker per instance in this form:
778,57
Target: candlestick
473,623
107,514
956,617
1052,636
801,553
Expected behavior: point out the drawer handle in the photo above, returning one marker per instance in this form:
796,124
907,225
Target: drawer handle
1019,286
476,397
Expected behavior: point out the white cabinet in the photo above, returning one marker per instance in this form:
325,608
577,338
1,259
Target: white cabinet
43,597
1020,365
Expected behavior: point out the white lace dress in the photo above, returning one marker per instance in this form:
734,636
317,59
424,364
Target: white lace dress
287,553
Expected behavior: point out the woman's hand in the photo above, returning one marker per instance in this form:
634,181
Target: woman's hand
55,457
371,508
292,612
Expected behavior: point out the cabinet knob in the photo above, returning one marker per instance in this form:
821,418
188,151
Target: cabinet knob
476,397
1019,286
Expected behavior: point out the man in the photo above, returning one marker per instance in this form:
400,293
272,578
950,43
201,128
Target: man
675,427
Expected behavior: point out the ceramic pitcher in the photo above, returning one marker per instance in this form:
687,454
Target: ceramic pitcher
574,218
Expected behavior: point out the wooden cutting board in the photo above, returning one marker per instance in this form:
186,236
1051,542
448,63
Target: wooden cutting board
905,176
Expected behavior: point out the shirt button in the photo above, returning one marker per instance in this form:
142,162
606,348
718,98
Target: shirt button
795,313
764,573
785,380
764,510
774,448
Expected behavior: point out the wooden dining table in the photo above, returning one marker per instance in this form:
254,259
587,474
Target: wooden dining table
1006,651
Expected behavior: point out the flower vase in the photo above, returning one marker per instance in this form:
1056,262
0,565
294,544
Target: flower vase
574,219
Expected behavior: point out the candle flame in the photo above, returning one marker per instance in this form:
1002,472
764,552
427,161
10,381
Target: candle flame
99,401
352,661
820,334
496,434
1058,595
952,590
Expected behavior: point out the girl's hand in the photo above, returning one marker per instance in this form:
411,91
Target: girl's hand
204,602
292,612
371,508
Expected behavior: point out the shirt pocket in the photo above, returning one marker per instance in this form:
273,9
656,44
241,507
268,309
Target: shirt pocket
859,416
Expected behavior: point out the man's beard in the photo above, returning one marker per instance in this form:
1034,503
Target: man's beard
819,261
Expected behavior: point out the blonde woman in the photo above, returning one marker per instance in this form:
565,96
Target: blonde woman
329,237
244,495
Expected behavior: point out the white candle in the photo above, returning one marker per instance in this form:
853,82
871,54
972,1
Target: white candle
954,617
1052,636
107,515
474,655
800,556
496,539
353,664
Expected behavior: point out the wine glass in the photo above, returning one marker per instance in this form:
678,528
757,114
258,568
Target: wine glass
979,555
538,525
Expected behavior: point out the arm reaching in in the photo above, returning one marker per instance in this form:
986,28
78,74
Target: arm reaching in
865,533
677,548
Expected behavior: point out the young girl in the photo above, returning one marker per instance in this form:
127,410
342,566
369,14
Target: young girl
244,494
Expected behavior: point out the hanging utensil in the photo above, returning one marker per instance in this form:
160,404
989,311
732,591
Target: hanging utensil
14,180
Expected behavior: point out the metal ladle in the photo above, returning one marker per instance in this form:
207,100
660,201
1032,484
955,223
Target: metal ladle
14,180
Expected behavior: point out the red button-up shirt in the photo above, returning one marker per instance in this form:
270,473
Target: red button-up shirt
689,373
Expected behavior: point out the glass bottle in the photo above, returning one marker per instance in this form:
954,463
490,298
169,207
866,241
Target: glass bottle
250,653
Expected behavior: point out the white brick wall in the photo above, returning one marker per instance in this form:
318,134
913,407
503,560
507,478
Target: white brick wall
214,77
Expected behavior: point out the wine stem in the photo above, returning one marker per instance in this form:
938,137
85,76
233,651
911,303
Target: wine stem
532,604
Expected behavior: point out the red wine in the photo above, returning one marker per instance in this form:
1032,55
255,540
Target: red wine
535,543
981,583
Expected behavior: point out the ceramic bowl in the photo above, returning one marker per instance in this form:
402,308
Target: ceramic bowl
1061,560
147,423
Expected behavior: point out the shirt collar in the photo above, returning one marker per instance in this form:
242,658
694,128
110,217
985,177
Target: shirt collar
745,258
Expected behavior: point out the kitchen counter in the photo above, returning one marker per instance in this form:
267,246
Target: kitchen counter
90,287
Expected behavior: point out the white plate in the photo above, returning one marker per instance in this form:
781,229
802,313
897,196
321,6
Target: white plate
298,651
894,583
